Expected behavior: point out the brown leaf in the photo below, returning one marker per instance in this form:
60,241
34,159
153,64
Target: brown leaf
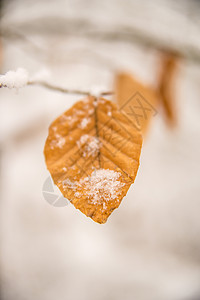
137,101
169,63
92,152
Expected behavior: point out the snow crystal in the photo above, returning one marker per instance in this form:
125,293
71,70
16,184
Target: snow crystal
91,111
79,112
104,206
54,128
67,182
15,79
69,119
83,139
92,145
58,142
84,123
102,185
77,194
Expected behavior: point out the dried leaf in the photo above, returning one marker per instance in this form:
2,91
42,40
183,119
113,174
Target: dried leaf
137,101
92,153
169,64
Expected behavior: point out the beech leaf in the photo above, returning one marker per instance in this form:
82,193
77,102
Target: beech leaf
138,101
166,87
92,152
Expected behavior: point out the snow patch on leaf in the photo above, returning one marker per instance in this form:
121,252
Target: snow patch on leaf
100,187
89,145
58,142
84,122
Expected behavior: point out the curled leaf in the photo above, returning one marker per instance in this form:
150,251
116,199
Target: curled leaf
92,152
169,63
137,101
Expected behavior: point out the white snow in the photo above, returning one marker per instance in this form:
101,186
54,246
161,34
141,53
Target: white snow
15,79
58,142
77,194
92,145
67,182
149,248
83,139
84,123
102,185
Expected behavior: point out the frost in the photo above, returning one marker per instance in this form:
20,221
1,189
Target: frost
102,185
54,128
15,79
69,120
91,111
79,112
58,142
77,194
69,183
84,123
83,139
92,145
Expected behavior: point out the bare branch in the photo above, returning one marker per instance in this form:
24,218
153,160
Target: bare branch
58,89
62,90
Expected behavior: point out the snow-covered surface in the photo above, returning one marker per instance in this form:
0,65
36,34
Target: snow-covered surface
89,145
150,248
84,122
14,79
101,186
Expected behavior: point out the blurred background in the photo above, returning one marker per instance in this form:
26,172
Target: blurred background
150,247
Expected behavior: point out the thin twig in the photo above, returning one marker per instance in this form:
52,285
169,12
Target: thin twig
57,88
107,93
61,90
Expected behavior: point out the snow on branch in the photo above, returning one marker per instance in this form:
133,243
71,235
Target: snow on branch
14,79
20,78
